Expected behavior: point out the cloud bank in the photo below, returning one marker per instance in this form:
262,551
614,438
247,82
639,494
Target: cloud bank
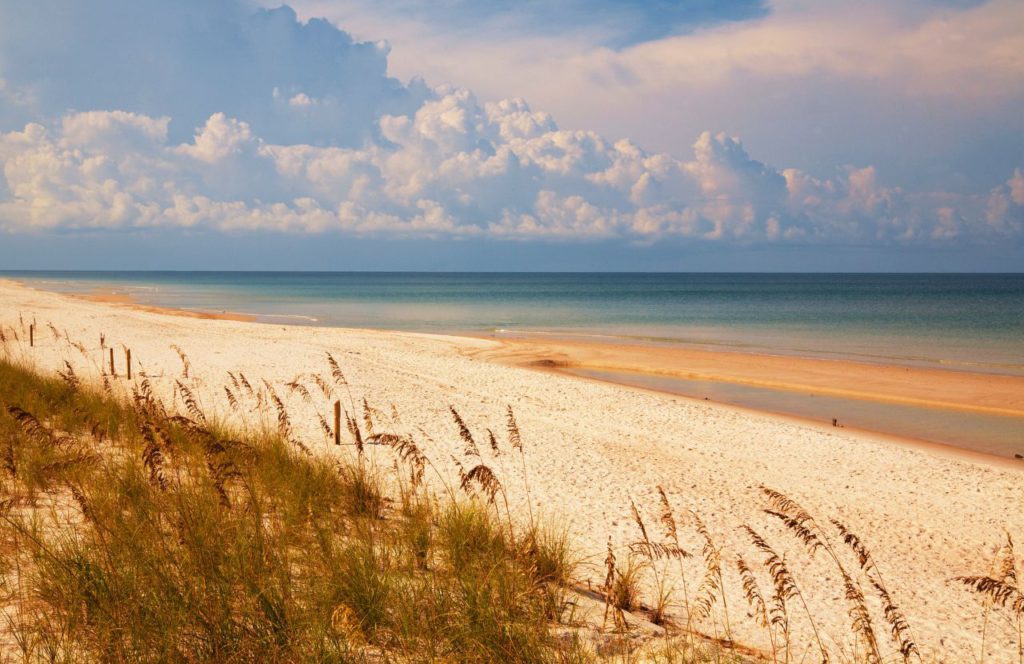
930,91
459,168
296,127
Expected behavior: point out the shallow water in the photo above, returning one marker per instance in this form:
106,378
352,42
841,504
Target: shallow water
967,322
991,434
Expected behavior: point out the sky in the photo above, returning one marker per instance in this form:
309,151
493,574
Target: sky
738,135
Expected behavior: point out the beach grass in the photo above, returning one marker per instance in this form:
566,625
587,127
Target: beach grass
135,534
136,529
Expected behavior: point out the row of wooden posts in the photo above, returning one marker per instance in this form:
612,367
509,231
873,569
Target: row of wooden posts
113,369
128,368
127,363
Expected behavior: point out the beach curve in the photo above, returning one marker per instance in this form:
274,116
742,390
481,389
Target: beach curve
592,447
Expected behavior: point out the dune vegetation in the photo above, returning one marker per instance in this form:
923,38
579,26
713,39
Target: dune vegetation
135,528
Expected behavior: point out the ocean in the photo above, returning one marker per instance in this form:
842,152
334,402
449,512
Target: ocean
958,321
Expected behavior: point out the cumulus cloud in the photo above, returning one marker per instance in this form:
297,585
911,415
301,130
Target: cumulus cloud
930,91
460,168
1016,185
254,120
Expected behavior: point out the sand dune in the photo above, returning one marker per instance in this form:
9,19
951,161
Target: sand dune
592,447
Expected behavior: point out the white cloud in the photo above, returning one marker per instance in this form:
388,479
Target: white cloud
914,86
1016,184
977,51
113,129
459,168
220,138
301,100
257,121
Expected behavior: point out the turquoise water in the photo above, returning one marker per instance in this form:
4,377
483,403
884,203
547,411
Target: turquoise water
972,322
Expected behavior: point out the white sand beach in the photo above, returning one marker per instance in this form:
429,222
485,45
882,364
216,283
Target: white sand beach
591,448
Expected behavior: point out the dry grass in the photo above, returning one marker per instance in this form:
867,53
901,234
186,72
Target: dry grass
178,539
132,531
771,603
135,532
1001,590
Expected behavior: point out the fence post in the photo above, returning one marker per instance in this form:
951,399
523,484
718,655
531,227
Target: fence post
112,371
128,361
337,423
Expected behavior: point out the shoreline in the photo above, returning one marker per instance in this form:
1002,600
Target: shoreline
996,394
992,393
810,380
106,296
945,450
592,449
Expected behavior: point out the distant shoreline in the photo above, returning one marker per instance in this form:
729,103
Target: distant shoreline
926,393
105,297
959,322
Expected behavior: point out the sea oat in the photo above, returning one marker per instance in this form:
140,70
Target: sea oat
514,437
186,366
232,401
711,586
485,479
471,448
339,377
69,377
752,593
899,628
191,402
296,386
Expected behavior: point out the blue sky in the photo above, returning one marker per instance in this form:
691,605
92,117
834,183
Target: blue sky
615,23
745,135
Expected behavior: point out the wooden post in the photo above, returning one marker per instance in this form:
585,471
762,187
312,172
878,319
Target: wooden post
31,334
128,361
337,423
112,371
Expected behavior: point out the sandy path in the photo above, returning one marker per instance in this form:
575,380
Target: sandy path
591,447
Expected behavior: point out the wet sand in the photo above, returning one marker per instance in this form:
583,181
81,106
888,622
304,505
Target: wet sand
125,300
933,388
976,413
